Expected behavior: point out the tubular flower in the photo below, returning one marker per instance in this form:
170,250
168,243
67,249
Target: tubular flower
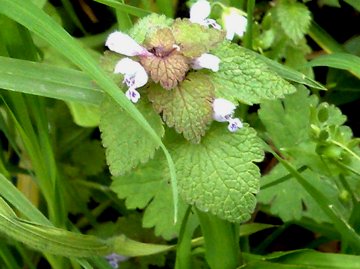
223,110
206,60
124,44
135,77
199,13
234,23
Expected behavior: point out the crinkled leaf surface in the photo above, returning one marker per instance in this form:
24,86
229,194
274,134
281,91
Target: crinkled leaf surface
218,175
166,65
243,77
187,107
195,39
290,194
294,18
288,125
125,141
148,25
148,186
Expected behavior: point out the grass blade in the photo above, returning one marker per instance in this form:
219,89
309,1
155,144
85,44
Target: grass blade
138,12
41,24
48,80
343,61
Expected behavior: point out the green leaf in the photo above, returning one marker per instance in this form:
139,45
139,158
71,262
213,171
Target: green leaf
242,77
195,39
47,80
187,107
354,3
84,115
138,12
294,18
89,157
290,194
343,61
124,139
149,25
302,259
218,175
41,24
147,187
287,122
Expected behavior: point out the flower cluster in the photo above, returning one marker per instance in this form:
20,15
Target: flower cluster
167,61
136,74
223,111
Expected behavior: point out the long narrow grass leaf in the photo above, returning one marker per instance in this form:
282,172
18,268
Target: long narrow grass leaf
40,23
339,60
48,80
138,12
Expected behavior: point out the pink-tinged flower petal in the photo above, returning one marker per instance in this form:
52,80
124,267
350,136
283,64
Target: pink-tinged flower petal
134,74
234,23
208,61
200,11
133,95
223,110
124,44
234,125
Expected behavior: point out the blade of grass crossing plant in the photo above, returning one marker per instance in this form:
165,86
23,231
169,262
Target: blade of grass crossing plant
343,61
347,232
123,19
138,12
7,257
324,40
166,7
47,80
40,23
20,202
354,3
288,73
72,14
249,27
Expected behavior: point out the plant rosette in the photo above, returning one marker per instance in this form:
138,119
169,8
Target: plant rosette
184,73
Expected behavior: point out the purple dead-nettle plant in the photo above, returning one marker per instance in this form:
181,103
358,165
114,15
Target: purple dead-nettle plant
223,111
159,57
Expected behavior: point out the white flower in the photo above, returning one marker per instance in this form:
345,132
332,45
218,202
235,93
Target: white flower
234,125
223,110
124,44
135,77
133,95
199,13
234,23
208,61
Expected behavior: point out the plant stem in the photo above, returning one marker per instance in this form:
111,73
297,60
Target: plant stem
222,249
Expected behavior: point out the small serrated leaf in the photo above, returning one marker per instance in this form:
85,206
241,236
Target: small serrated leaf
195,39
243,77
294,18
290,194
218,175
125,140
166,65
147,187
187,107
148,25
